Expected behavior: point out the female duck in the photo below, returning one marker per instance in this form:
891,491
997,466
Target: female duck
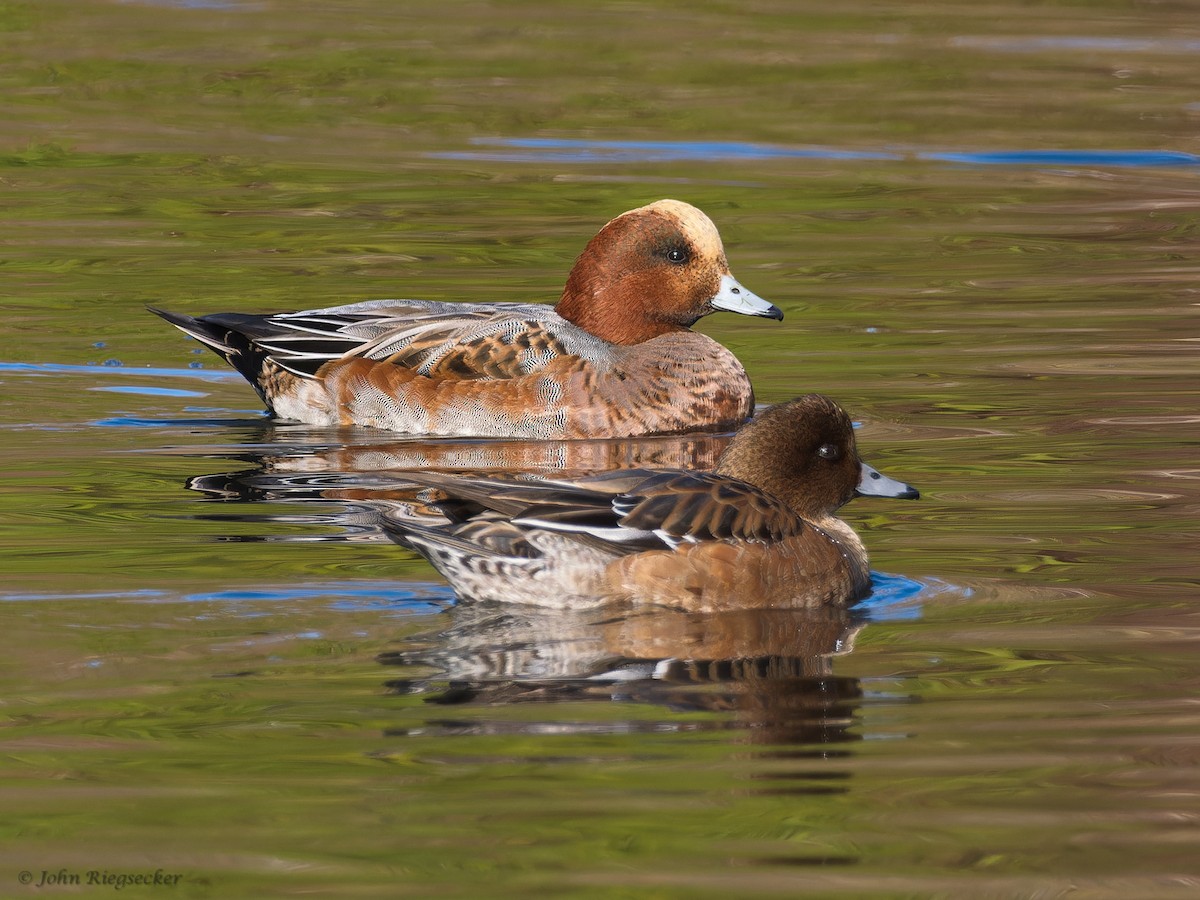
615,358
760,531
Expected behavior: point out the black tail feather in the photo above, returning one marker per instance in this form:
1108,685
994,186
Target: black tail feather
229,335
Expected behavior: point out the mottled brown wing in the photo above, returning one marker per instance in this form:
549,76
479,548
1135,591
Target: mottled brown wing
468,497
704,506
467,341
475,344
634,507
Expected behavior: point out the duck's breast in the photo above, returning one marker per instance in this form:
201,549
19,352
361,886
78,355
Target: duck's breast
678,382
805,570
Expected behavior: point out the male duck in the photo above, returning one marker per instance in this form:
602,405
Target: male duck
759,531
615,358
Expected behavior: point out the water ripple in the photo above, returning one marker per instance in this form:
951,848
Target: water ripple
1036,44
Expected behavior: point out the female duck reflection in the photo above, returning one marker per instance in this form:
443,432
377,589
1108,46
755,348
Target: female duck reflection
772,669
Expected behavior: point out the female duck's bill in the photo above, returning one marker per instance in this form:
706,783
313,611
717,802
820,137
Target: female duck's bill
758,532
615,358
874,483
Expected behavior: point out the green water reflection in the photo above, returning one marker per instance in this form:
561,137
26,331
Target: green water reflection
215,667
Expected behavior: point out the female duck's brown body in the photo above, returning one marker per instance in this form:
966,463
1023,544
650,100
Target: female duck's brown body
760,531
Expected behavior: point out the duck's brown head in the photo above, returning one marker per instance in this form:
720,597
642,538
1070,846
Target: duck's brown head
804,453
653,270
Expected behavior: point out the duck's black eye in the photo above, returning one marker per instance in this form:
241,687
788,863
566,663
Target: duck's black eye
677,255
831,452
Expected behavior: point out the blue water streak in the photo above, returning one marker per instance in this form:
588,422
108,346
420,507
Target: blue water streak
573,150
382,596
153,391
897,598
59,369
1070,158
570,150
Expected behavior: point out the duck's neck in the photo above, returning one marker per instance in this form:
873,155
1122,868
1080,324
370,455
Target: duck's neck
615,313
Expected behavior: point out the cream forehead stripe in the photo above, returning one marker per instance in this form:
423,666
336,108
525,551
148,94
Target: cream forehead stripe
693,224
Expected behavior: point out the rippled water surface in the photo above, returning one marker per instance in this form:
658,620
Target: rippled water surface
981,223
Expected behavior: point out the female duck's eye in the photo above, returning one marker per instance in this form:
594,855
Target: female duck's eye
677,255
830,452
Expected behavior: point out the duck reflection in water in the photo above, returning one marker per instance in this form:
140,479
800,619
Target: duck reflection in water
768,672
303,463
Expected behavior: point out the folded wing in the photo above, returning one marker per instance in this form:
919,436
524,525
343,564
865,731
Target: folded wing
634,509
455,340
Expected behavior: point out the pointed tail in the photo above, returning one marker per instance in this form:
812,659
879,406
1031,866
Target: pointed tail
229,336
